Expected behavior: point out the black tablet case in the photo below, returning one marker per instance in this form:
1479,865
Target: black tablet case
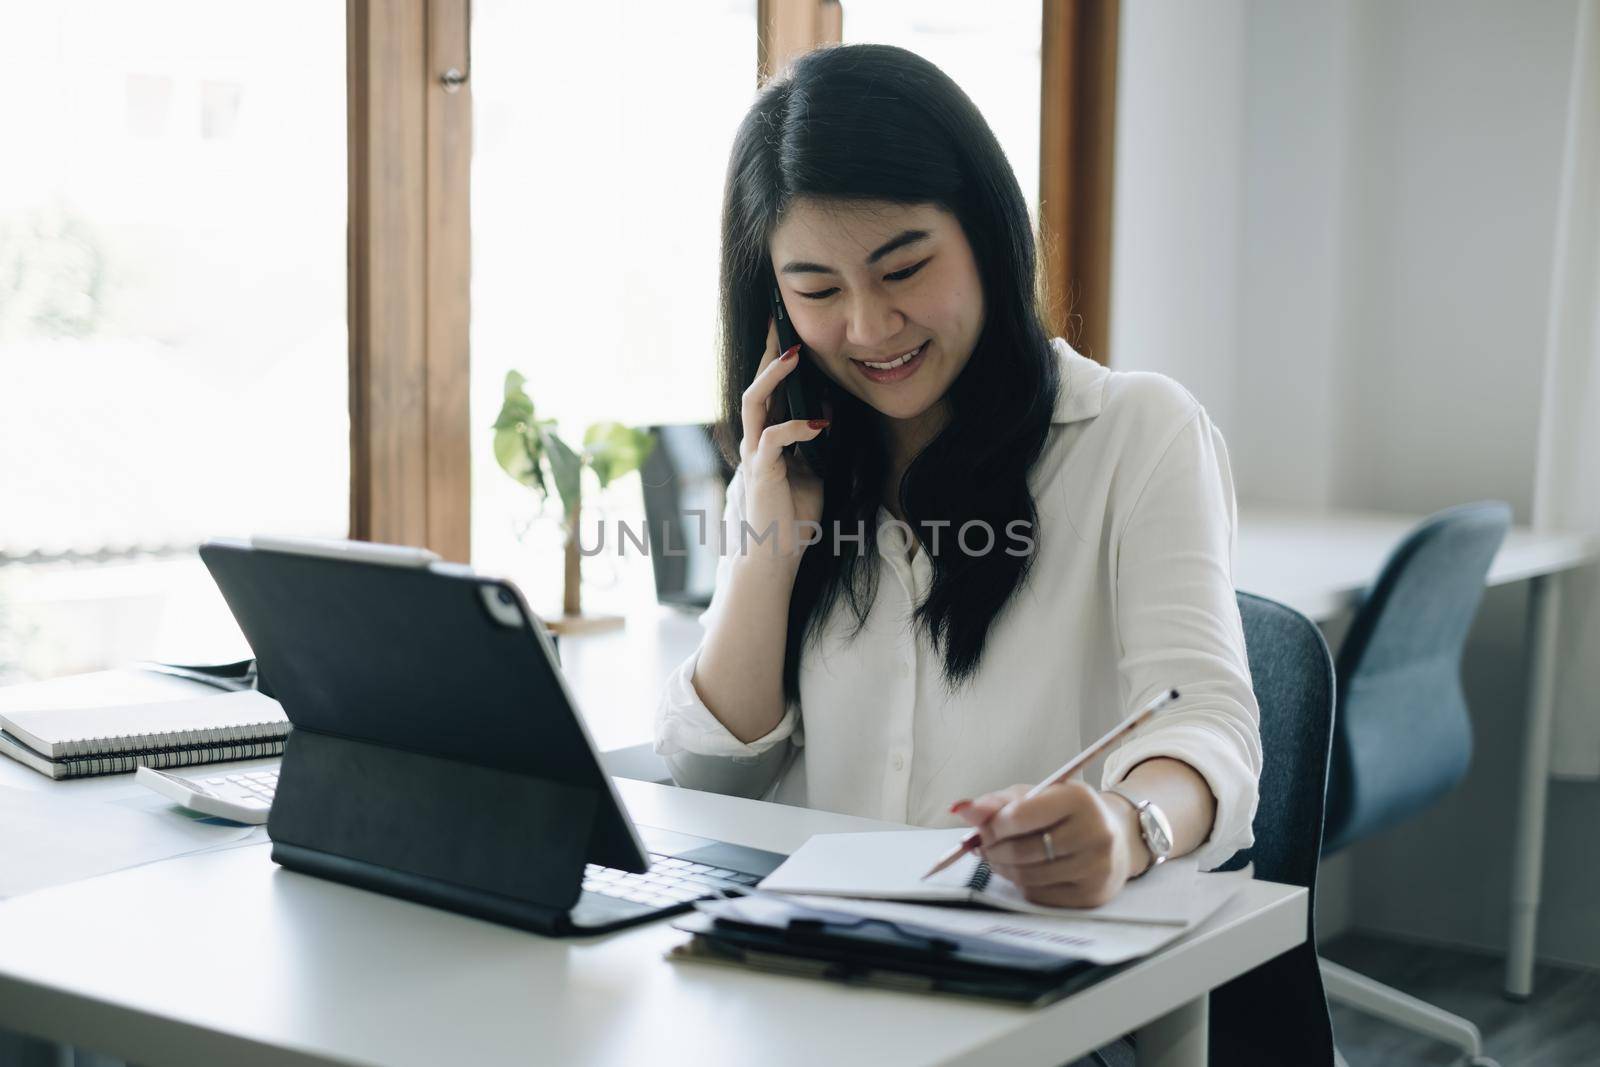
435,755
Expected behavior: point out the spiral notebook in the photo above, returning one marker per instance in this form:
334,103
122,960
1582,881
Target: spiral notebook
72,742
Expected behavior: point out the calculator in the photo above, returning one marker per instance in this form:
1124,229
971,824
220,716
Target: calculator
243,797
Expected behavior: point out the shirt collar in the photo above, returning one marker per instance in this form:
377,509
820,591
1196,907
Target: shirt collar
1083,385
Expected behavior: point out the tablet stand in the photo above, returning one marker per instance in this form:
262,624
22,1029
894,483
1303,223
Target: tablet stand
485,842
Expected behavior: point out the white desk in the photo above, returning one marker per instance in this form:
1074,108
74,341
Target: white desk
224,958
618,676
1319,564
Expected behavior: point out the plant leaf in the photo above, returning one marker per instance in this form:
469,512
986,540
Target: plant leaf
519,445
510,454
614,450
567,467
517,407
518,455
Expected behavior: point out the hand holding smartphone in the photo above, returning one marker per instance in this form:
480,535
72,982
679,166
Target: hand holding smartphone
802,390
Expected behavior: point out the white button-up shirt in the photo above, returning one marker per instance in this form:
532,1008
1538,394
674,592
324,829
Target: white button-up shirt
1131,593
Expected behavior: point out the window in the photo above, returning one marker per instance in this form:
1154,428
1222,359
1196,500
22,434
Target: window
601,136
172,314
990,49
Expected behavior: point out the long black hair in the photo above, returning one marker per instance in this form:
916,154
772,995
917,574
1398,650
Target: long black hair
874,122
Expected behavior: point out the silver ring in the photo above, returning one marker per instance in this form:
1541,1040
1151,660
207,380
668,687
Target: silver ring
1049,847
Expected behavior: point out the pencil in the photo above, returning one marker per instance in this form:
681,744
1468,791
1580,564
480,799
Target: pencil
1071,767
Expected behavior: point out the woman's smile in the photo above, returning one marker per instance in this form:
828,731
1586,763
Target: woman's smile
895,370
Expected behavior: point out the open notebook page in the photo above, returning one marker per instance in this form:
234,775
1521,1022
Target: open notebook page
883,865
889,866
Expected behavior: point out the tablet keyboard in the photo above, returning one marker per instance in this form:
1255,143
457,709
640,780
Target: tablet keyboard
669,881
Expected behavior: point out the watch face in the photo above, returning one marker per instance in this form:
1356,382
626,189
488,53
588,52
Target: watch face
1157,833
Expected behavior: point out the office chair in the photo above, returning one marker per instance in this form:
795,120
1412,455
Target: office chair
1402,738
684,479
1277,1013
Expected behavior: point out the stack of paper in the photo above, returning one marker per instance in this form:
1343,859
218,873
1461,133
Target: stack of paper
879,875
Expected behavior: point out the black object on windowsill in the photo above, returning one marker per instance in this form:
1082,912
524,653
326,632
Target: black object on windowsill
231,677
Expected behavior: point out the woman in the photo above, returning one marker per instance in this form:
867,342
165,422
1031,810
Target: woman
1017,547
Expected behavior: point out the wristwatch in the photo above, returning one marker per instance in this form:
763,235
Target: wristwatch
1153,827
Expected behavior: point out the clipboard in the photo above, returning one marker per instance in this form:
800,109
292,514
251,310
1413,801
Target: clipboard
774,934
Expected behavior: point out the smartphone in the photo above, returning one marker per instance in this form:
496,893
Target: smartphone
802,389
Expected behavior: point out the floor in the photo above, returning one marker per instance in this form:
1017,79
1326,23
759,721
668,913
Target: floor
1559,1026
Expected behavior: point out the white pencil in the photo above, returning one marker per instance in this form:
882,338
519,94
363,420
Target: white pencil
1071,767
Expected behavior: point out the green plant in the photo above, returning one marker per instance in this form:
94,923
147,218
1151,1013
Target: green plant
529,450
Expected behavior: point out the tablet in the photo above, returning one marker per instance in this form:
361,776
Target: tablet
436,752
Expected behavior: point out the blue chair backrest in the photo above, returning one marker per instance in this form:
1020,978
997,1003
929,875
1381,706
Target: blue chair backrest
683,478
1278,1013
1403,737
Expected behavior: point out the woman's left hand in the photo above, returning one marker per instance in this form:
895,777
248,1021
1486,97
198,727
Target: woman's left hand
1093,838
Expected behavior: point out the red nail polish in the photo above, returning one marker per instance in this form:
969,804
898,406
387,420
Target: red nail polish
818,424
958,805
791,353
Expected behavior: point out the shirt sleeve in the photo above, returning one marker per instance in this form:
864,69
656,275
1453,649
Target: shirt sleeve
701,752
1178,627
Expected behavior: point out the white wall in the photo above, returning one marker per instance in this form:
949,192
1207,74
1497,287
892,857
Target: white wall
1177,194
1335,223
1295,180
1457,133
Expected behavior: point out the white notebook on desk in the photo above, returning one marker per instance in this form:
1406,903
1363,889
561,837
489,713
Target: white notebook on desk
889,866
48,728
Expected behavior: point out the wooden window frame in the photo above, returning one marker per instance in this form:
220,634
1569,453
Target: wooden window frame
788,29
1077,151
409,268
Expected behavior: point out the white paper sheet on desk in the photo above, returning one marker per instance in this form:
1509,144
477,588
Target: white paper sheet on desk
47,839
1067,934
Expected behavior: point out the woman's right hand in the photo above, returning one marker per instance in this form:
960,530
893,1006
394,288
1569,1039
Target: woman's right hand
781,490
739,674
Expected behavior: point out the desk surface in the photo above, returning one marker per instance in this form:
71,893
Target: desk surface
223,957
1320,562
